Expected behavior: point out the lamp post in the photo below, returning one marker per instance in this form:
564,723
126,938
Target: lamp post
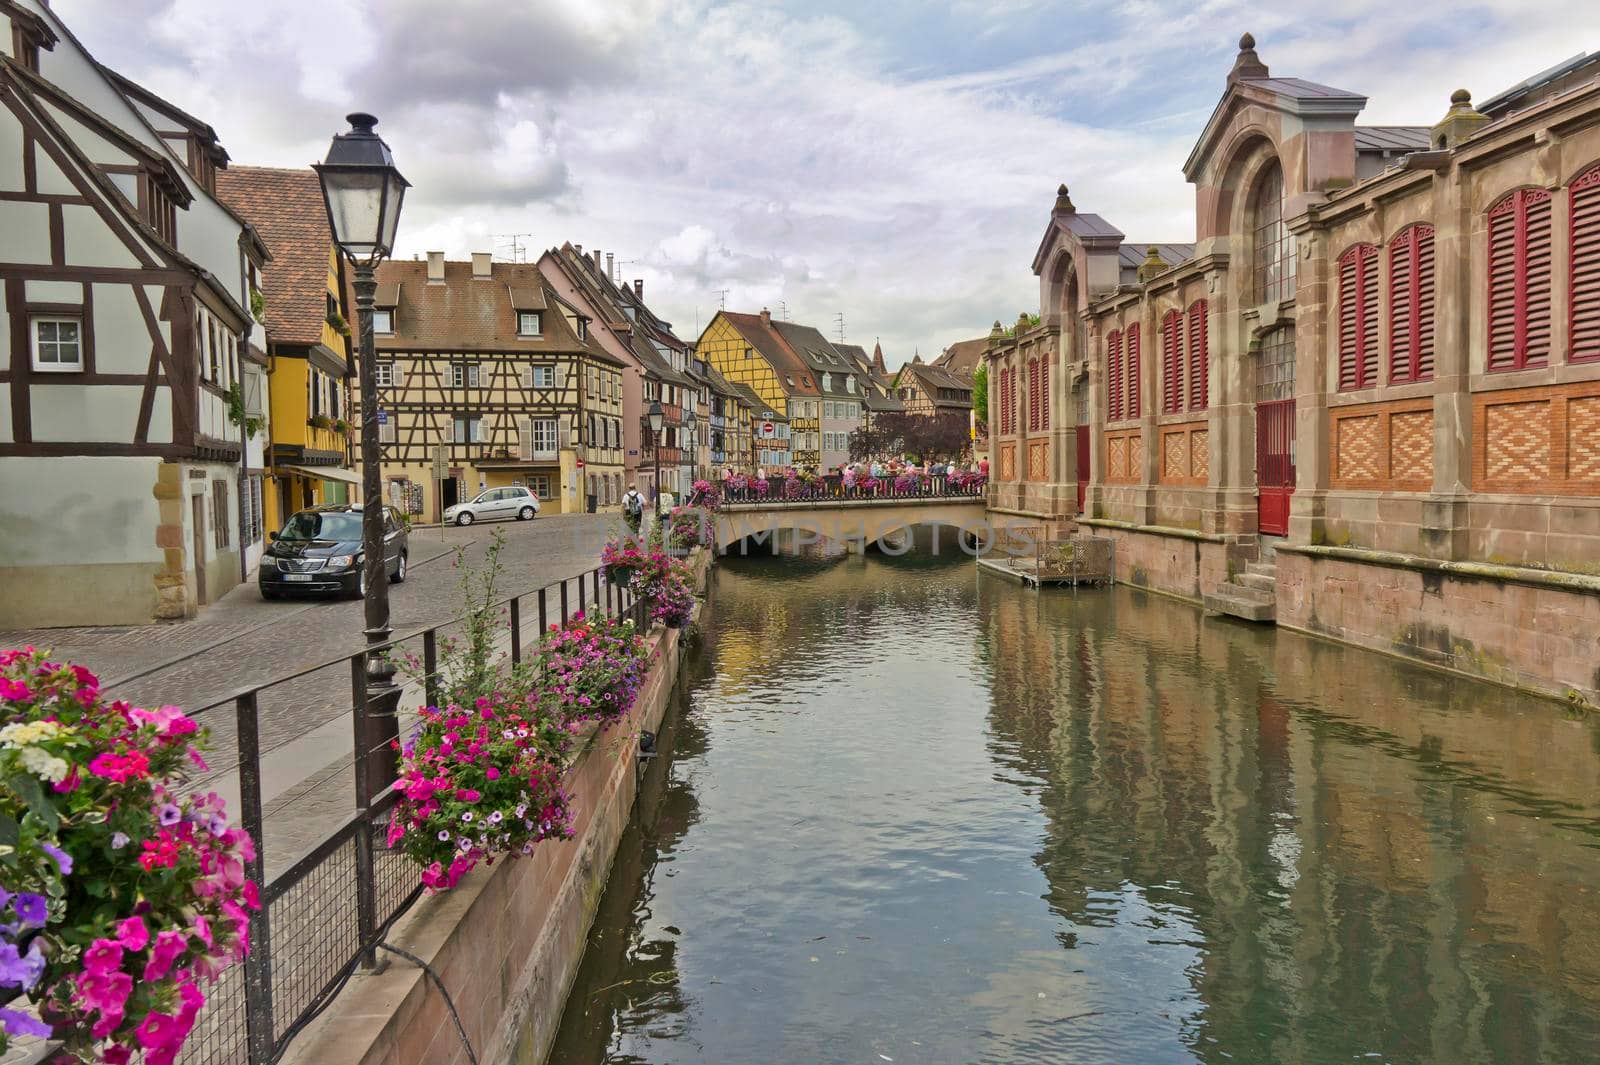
363,191
657,417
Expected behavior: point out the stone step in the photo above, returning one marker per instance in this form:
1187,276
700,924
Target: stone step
1262,582
1239,601
1266,569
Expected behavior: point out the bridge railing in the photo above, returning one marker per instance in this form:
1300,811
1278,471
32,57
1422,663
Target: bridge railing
833,488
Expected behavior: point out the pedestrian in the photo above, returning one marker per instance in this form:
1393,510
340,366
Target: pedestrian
633,508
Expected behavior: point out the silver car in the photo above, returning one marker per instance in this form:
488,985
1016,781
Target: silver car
515,502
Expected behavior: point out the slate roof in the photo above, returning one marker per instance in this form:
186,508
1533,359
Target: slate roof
473,314
1392,138
963,356
793,373
286,210
1133,255
933,378
821,356
1300,89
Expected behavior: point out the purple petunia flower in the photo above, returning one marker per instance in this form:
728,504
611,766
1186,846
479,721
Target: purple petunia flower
63,859
169,815
217,824
32,909
119,840
17,1023
20,970
467,816
444,835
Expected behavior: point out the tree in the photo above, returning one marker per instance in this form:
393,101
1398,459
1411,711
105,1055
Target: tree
980,393
928,437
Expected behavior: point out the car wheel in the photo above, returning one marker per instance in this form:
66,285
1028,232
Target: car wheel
399,575
270,595
464,518
360,591
526,514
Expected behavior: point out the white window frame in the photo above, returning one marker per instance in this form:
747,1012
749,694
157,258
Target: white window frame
383,321
385,374
546,432
464,375
544,376
472,423
522,324
76,366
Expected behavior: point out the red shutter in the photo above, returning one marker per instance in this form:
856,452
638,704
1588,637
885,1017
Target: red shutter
1114,377
1132,371
1171,363
1199,362
1583,288
1044,393
1033,395
1422,292
1358,318
1519,280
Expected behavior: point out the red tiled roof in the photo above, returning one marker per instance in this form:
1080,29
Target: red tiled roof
792,371
286,209
963,356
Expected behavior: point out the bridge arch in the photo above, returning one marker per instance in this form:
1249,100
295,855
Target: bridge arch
852,522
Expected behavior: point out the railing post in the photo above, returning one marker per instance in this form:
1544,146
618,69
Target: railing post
563,602
366,889
516,630
544,613
259,1027
430,666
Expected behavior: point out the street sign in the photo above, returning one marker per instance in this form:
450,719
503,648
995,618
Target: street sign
768,430
441,463
580,464
383,417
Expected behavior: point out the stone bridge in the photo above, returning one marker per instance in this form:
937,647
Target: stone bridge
855,523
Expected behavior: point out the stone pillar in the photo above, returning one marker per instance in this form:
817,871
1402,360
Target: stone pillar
1149,386
1444,531
1233,411
1316,296
172,582
1093,500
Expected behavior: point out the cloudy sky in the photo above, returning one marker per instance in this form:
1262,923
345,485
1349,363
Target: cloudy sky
893,161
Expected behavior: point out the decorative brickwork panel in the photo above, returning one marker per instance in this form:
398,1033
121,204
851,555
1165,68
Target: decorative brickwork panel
1518,442
1135,458
1583,439
1117,458
1358,449
1038,460
1180,462
1411,448
1200,455
1175,460
1008,462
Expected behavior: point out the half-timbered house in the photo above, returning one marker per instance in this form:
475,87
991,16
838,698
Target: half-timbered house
126,490
487,362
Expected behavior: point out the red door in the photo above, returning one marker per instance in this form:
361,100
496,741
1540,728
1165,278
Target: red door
1083,465
1274,465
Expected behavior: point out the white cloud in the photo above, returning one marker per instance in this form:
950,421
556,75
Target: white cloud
901,174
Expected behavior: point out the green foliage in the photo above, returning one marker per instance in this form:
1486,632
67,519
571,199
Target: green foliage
980,393
236,414
320,421
258,306
340,326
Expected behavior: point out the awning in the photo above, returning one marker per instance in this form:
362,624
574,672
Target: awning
326,473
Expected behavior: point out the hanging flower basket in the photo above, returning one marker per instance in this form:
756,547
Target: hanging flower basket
619,576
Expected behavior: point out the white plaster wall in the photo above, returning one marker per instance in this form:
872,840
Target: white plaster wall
121,344
160,417
84,412
5,424
10,152
27,232
54,291
66,511
5,335
89,243
48,176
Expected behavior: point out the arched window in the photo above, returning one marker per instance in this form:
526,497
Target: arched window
1272,252
1583,333
1131,371
1358,318
1199,361
1411,304
1033,395
1275,366
1172,390
1114,391
1519,281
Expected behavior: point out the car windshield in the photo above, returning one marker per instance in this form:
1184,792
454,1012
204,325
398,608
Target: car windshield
327,525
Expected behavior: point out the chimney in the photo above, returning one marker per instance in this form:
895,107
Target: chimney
766,316
611,264
436,268
638,289
480,265
597,260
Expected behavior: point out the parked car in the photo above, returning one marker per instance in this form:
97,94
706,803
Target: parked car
515,502
319,550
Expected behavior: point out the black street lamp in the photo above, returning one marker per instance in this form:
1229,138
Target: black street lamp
363,192
657,417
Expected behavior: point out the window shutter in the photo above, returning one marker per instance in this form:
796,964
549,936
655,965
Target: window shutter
1199,362
1131,371
399,377
1537,269
1114,376
1583,335
524,439
565,437
527,375
1171,363
1503,284
1519,280
1411,305
1033,395
1044,393
1358,318
561,376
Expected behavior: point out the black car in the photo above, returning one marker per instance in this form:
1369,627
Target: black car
319,550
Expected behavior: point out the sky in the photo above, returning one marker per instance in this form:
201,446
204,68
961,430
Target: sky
888,161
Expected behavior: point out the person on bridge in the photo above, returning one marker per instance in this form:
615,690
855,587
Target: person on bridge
633,508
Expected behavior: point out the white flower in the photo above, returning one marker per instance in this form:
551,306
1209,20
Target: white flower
44,765
30,732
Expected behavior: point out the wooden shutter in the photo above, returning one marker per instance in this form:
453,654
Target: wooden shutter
1033,395
1199,361
398,375
1411,304
1044,393
1114,376
564,434
1519,280
1171,363
524,439
1583,288
1358,318
1131,371
527,375
561,376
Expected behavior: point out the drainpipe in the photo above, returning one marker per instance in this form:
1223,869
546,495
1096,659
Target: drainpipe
244,420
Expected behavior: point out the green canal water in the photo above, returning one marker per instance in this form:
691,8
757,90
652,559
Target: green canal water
908,813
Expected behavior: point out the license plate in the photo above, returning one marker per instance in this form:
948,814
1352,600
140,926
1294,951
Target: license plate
297,577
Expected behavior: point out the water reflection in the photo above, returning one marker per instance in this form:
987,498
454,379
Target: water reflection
918,815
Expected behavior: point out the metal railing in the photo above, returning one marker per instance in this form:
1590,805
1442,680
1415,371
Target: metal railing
832,488
324,915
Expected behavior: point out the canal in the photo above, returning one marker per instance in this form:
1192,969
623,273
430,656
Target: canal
910,814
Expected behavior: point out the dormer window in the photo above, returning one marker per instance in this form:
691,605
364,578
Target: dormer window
383,321
531,324
827,382
157,208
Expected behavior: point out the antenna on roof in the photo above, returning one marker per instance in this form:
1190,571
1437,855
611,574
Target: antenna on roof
838,325
616,274
783,310
519,251
722,298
